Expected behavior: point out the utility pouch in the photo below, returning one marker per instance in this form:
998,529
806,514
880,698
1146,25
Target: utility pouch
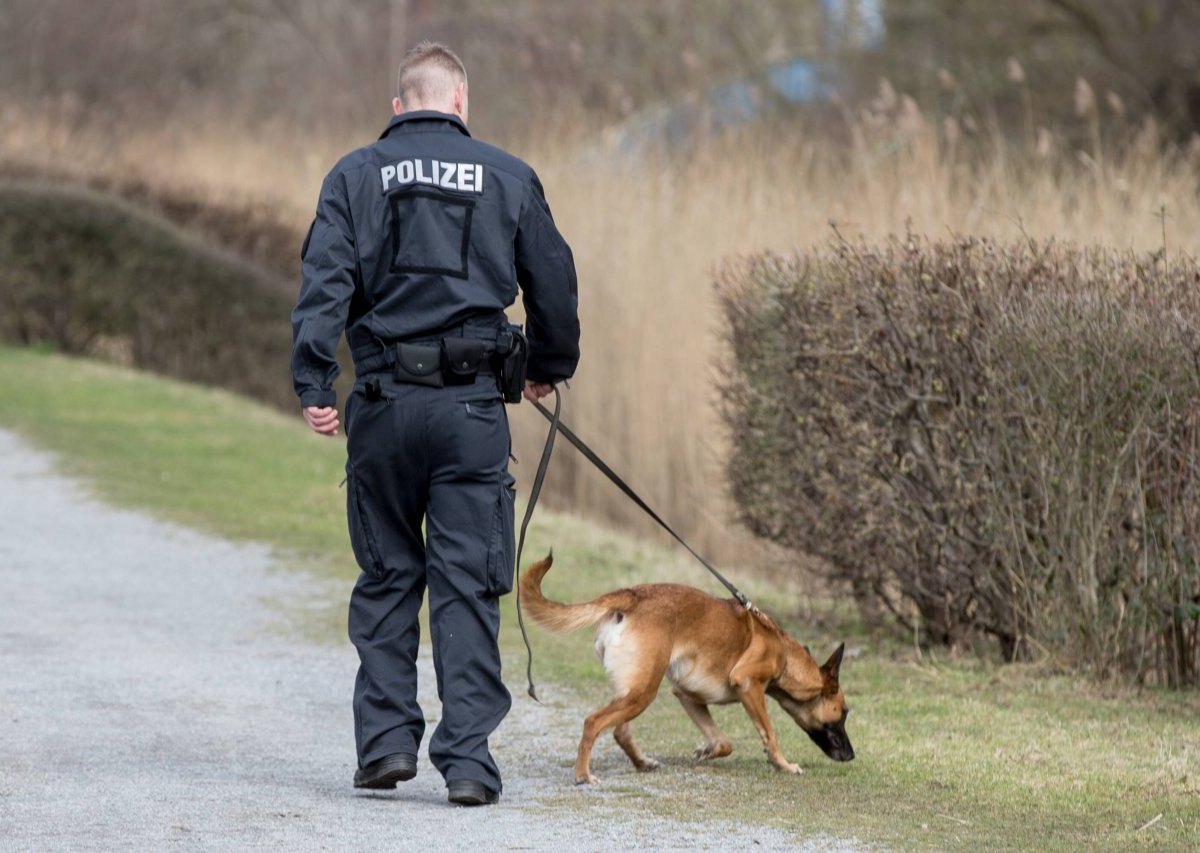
420,364
512,354
461,360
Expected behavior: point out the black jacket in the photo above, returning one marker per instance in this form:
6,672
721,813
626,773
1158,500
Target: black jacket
422,231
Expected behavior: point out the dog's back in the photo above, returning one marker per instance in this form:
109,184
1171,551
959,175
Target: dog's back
679,610
696,637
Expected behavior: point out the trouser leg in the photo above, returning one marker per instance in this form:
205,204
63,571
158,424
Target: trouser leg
385,500
469,539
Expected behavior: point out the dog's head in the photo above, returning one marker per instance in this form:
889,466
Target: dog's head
823,716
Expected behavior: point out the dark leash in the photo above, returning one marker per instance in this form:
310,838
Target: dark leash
538,479
556,426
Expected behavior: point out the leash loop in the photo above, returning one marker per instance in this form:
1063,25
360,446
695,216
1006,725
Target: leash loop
538,479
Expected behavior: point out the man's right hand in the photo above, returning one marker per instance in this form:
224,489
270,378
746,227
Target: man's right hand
322,419
535,391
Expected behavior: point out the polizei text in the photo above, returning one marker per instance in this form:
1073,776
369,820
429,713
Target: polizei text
464,177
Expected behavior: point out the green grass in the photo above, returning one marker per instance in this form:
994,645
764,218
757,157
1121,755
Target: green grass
952,754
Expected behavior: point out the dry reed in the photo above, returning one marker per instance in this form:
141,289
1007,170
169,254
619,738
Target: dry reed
649,232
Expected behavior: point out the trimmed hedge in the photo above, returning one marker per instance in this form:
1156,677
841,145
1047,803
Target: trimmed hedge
982,439
89,274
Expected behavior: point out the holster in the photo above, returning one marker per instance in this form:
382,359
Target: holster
420,364
512,357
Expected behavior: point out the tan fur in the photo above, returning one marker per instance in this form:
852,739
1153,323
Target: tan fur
712,651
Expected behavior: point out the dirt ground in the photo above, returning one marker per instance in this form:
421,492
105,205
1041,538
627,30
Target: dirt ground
153,695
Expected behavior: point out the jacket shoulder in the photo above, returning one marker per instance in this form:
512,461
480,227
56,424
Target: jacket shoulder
353,161
498,158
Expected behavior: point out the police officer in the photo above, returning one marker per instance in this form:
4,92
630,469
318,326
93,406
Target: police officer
420,242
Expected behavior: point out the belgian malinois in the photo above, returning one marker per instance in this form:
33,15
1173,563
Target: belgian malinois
713,651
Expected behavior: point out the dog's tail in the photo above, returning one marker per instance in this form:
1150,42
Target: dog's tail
554,616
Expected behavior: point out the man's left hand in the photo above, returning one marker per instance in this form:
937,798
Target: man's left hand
322,419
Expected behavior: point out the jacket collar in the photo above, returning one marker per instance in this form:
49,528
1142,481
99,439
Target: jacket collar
427,117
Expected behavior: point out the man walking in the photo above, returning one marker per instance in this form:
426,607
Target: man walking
420,242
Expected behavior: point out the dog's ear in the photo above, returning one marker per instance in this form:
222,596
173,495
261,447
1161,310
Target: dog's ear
829,672
835,661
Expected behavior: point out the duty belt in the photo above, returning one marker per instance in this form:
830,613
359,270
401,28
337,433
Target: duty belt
380,355
386,362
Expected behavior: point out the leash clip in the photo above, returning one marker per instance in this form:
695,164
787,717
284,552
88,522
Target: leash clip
749,605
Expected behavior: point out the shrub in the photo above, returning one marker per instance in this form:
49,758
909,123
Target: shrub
91,275
981,438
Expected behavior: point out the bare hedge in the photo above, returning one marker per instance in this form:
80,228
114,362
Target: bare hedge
89,274
982,439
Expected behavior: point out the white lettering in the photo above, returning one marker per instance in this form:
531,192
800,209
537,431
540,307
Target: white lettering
464,177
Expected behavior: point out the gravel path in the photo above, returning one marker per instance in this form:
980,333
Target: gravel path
151,697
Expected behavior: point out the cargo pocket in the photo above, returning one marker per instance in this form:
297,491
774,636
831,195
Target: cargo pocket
501,560
362,538
431,232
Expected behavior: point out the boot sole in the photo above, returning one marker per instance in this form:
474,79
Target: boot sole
387,779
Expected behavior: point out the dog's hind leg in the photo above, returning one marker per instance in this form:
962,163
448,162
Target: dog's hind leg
636,678
623,734
718,745
618,712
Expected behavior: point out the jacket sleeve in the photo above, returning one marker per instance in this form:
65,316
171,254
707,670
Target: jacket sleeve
327,286
546,274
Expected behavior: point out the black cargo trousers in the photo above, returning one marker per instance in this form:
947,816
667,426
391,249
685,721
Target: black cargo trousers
438,455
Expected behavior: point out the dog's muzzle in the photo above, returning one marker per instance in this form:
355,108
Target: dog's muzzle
834,742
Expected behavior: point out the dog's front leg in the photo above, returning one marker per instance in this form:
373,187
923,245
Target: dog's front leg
717,746
754,700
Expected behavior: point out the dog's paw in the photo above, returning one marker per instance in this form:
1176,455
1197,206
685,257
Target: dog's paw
788,767
587,780
709,751
648,765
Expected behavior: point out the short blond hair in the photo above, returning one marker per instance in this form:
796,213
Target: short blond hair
429,73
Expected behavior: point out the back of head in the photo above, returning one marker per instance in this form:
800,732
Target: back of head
428,77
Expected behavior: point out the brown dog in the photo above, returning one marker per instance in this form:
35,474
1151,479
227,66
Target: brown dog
713,652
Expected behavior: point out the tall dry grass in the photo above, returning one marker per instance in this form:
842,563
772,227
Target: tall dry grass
649,235
649,232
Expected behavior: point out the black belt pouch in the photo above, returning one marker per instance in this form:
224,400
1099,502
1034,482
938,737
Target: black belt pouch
461,360
420,364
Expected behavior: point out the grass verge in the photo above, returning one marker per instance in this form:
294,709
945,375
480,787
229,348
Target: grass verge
951,754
